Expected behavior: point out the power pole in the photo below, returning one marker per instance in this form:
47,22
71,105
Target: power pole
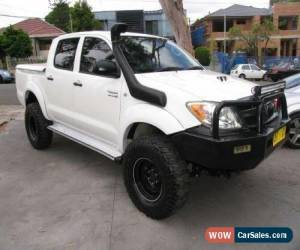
71,22
225,29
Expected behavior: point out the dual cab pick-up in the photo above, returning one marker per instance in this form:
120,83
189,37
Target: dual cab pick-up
143,101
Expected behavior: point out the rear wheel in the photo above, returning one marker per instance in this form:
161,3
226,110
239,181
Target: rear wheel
155,176
243,76
1,79
36,127
294,135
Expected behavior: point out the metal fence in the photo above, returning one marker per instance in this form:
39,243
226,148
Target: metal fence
11,63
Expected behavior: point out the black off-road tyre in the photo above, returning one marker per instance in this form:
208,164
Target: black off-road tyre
36,127
294,131
173,178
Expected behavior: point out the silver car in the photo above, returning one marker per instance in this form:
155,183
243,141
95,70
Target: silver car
293,102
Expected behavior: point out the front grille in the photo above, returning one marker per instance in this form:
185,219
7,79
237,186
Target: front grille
249,114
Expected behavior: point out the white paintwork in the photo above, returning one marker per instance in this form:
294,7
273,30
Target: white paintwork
251,73
293,100
90,116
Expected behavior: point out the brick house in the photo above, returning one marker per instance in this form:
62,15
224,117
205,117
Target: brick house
286,18
41,34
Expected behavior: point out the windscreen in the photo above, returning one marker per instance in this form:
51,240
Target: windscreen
147,55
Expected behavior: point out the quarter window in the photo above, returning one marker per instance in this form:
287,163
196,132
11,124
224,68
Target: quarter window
97,58
65,53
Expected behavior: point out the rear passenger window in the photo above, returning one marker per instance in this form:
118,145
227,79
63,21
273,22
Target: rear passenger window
65,53
246,67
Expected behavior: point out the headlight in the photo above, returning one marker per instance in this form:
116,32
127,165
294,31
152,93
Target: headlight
204,111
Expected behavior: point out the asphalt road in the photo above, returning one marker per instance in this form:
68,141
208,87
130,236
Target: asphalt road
69,197
8,94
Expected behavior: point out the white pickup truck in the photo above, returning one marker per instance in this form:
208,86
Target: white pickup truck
143,101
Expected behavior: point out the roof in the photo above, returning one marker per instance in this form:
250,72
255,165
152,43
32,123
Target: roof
36,27
238,10
105,34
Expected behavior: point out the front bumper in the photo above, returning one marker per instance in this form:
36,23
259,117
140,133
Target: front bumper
219,154
242,149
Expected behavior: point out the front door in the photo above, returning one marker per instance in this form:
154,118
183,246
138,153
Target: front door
97,94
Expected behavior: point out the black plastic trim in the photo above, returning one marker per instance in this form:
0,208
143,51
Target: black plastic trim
136,89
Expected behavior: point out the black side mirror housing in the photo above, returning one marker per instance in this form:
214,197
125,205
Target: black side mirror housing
108,67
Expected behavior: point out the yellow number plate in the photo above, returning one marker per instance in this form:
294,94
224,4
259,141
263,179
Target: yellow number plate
279,136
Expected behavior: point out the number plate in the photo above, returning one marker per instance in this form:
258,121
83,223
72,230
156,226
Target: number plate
279,136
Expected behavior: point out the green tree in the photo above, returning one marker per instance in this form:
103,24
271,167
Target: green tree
284,1
83,18
202,54
258,33
15,43
60,15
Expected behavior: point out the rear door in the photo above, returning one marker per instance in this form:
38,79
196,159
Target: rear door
98,94
59,82
246,71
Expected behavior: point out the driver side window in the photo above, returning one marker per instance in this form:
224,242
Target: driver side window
97,58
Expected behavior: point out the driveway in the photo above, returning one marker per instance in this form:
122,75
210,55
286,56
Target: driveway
8,94
69,197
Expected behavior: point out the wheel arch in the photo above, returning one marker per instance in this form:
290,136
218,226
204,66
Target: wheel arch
145,118
33,94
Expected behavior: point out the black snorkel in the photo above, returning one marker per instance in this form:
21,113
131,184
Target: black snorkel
136,89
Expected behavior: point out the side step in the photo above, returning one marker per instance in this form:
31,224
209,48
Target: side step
86,141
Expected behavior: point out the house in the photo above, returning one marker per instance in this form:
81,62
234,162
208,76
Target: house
151,22
285,41
41,34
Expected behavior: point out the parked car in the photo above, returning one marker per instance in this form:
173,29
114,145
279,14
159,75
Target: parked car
143,101
293,100
283,70
5,76
248,71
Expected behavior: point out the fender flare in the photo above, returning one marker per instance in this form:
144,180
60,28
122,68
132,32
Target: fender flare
31,87
294,109
152,115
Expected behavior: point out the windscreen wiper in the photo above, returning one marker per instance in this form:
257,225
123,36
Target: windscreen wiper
196,68
169,69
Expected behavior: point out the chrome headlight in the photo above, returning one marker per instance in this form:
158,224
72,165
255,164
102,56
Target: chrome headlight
204,111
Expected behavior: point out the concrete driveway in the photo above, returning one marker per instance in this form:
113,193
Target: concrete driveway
69,197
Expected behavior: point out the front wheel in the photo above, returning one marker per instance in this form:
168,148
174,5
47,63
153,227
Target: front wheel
294,135
36,125
155,176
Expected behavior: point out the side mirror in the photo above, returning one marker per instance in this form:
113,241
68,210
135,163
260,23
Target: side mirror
108,67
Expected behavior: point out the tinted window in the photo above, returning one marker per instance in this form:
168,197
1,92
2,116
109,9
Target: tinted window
246,67
65,53
146,55
254,67
97,58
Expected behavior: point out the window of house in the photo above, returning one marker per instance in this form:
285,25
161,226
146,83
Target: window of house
44,44
218,25
152,27
97,58
288,22
265,19
65,53
241,21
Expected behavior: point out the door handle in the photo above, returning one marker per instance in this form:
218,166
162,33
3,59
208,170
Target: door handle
77,84
50,78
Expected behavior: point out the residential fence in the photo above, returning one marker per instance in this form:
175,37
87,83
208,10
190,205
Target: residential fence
11,62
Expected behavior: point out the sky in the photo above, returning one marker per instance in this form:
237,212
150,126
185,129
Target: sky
40,8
